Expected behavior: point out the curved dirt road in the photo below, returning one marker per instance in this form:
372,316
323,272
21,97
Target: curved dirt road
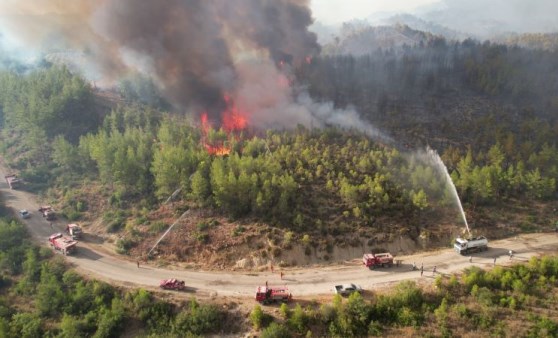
91,261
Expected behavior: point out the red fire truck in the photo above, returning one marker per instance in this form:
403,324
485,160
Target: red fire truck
272,294
66,245
372,261
13,181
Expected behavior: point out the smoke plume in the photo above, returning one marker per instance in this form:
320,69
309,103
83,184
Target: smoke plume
199,52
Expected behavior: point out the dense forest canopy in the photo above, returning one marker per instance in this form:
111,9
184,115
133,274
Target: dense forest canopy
308,178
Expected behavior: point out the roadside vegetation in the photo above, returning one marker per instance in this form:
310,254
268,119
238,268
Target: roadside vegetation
41,297
516,301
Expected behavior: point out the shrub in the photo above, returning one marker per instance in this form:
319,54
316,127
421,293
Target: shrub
81,206
258,318
25,325
285,311
544,327
115,226
276,252
157,227
441,313
298,319
275,330
72,215
123,245
197,320
141,220
407,317
201,237
237,230
202,226
374,328
327,314
408,294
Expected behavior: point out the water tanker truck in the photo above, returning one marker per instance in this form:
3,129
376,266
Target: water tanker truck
467,246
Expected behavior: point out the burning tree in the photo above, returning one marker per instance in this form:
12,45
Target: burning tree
233,123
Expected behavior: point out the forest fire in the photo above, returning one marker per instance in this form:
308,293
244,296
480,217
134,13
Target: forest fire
233,121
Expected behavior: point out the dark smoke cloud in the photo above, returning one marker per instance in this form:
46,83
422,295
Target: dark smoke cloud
182,41
191,47
279,26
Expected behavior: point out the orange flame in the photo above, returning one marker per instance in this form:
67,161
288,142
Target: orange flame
233,120
217,150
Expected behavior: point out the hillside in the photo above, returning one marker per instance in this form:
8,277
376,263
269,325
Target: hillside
359,40
487,109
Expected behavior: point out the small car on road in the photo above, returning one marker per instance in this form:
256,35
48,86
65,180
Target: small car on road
24,214
347,289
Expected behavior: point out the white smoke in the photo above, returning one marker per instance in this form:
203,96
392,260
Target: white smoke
268,97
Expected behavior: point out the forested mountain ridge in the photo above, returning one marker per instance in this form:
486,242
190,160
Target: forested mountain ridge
488,109
443,85
359,40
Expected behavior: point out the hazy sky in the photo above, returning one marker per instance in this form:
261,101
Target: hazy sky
338,11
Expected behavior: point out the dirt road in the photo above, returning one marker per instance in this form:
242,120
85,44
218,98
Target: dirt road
92,261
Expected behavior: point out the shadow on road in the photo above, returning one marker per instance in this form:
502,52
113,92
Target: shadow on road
87,254
189,289
8,196
90,238
492,252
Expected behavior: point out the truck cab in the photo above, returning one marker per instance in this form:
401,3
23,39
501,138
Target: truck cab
48,212
74,231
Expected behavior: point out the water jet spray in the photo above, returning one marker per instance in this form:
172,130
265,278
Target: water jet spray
433,155
166,232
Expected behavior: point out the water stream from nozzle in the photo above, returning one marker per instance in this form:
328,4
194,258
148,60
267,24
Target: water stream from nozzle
442,167
166,232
